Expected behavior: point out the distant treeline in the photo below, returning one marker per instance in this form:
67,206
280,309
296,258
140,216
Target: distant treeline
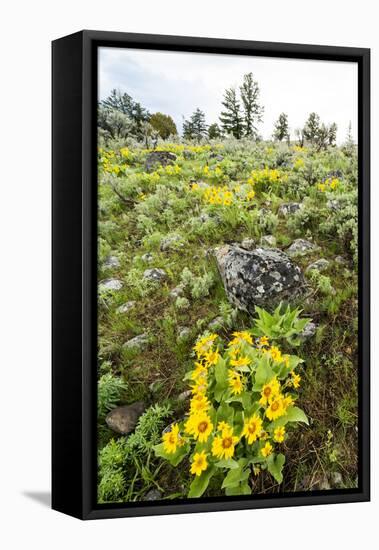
119,116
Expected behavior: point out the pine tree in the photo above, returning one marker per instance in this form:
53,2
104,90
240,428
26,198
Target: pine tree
332,134
198,126
281,128
187,129
322,137
125,104
252,110
214,131
231,118
312,127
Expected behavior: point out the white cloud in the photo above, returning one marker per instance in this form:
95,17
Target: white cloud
177,83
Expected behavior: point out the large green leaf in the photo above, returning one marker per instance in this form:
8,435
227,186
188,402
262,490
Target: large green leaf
275,465
227,463
200,483
236,476
294,414
173,458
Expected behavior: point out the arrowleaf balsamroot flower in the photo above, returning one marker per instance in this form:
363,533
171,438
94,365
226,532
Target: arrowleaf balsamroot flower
276,408
199,463
252,428
279,434
199,426
172,439
269,391
223,445
266,450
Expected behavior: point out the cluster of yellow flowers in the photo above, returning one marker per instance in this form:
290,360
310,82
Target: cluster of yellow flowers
178,148
215,173
273,403
223,195
299,163
328,184
108,162
170,170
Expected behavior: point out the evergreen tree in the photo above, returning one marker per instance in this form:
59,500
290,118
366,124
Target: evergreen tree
231,118
199,128
299,133
214,131
322,137
125,104
252,110
281,128
312,127
187,129
332,134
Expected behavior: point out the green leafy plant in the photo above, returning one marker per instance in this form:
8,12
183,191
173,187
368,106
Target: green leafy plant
283,324
243,400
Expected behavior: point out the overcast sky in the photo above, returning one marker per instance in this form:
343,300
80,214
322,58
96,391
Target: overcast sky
177,83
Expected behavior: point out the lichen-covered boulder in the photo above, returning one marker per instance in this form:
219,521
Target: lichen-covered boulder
110,285
261,277
301,247
289,208
158,158
155,274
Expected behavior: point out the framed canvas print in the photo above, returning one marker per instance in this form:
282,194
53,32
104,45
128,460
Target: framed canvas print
210,274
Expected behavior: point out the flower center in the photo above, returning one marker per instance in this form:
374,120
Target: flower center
202,426
227,442
172,439
275,406
252,427
267,392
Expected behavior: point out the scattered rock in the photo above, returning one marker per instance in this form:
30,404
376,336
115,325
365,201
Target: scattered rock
216,156
171,242
268,240
153,494
308,331
318,265
183,333
301,247
154,274
333,204
124,419
188,154
138,343
184,395
176,292
248,244
158,158
216,323
124,308
324,485
340,260
262,277
111,262
148,257
289,208
110,284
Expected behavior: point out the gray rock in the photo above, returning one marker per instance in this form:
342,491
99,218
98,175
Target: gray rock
340,260
318,265
176,292
337,479
268,240
324,485
216,156
155,274
333,204
184,333
301,247
262,277
111,262
138,343
124,419
158,158
248,244
110,284
124,308
171,242
184,395
148,257
216,323
153,494
308,331
289,208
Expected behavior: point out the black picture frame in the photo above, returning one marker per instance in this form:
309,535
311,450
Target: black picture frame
74,295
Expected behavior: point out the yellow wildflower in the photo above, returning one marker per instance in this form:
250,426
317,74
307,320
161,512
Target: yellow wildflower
199,463
279,434
199,426
266,450
223,446
252,428
269,391
199,404
235,382
172,439
275,409
296,378
276,354
241,362
211,357
263,341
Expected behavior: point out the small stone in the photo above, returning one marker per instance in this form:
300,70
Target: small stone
184,395
171,242
153,494
155,274
124,308
333,204
176,292
301,247
110,284
318,265
111,262
248,244
268,240
124,419
158,158
289,208
216,156
216,323
308,331
138,343
340,260
147,258
324,485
